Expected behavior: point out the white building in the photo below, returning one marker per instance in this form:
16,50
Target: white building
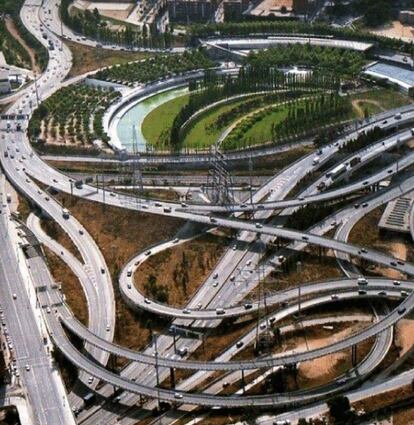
400,76
4,82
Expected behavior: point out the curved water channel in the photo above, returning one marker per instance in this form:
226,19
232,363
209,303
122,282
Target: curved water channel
137,113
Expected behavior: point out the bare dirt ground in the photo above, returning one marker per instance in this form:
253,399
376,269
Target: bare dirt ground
319,371
404,335
357,105
267,6
322,370
70,286
395,30
313,269
57,233
404,339
11,27
367,233
403,417
183,268
112,10
86,59
385,399
120,234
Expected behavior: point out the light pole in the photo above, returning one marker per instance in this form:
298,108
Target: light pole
299,271
61,33
155,336
37,93
250,179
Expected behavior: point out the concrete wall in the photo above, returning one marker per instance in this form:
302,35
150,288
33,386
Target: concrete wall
105,85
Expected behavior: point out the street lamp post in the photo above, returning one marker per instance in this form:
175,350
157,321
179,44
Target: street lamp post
299,271
155,336
37,93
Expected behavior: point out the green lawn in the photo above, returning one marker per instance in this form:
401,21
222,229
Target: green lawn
259,132
200,135
157,123
378,100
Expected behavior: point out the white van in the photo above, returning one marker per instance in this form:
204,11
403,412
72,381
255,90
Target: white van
362,281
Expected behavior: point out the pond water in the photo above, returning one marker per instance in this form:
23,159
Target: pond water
136,115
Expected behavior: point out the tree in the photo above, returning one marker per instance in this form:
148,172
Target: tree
96,14
339,409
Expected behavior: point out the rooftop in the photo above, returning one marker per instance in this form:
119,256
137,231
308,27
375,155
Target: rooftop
397,74
4,75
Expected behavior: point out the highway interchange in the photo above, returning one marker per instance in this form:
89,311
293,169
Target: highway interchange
99,290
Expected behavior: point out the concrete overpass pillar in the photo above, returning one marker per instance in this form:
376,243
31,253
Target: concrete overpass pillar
172,378
354,355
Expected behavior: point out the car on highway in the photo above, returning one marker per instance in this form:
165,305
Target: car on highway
182,351
362,281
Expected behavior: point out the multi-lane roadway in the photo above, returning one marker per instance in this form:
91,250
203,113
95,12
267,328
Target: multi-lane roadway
274,190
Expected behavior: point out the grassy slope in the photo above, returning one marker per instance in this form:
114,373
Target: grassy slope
86,59
261,131
199,135
159,120
384,98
